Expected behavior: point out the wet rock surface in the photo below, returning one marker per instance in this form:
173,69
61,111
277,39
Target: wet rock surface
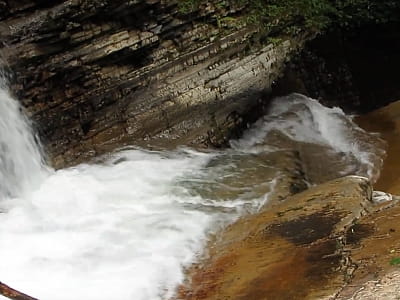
252,176
375,238
295,249
374,243
336,240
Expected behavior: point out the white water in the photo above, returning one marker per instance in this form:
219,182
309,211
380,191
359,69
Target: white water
303,119
128,227
21,165
124,229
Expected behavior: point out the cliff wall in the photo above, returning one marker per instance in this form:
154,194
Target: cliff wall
100,74
356,70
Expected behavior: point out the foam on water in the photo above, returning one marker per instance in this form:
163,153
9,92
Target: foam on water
304,119
105,231
122,230
126,228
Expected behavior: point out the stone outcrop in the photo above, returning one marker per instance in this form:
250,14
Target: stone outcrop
335,241
375,253
96,75
295,249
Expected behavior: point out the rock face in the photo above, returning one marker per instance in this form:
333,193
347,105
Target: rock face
354,69
96,75
295,249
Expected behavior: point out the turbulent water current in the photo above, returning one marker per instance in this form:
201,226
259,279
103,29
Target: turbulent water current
126,228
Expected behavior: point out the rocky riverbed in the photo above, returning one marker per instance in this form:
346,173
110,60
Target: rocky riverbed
336,240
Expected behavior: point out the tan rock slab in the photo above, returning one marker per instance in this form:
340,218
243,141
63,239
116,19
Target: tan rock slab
292,250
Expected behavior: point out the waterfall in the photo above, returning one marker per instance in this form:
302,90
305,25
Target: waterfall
21,164
134,222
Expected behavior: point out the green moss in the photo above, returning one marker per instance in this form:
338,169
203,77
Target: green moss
230,22
188,6
275,40
395,261
294,16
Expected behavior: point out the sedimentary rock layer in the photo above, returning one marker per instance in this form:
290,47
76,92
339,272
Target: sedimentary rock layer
95,75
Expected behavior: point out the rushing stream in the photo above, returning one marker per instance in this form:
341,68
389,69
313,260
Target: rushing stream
126,228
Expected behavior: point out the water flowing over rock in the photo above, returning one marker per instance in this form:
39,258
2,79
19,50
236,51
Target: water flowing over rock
98,75
329,143
152,212
21,164
385,121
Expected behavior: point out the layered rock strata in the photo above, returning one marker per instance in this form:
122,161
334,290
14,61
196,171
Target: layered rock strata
96,75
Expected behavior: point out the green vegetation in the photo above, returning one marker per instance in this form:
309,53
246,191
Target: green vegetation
395,261
294,16
290,16
187,6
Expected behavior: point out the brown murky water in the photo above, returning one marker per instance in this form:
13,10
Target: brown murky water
386,121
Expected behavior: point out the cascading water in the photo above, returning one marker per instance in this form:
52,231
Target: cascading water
305,120
21,167
126,229
130,224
